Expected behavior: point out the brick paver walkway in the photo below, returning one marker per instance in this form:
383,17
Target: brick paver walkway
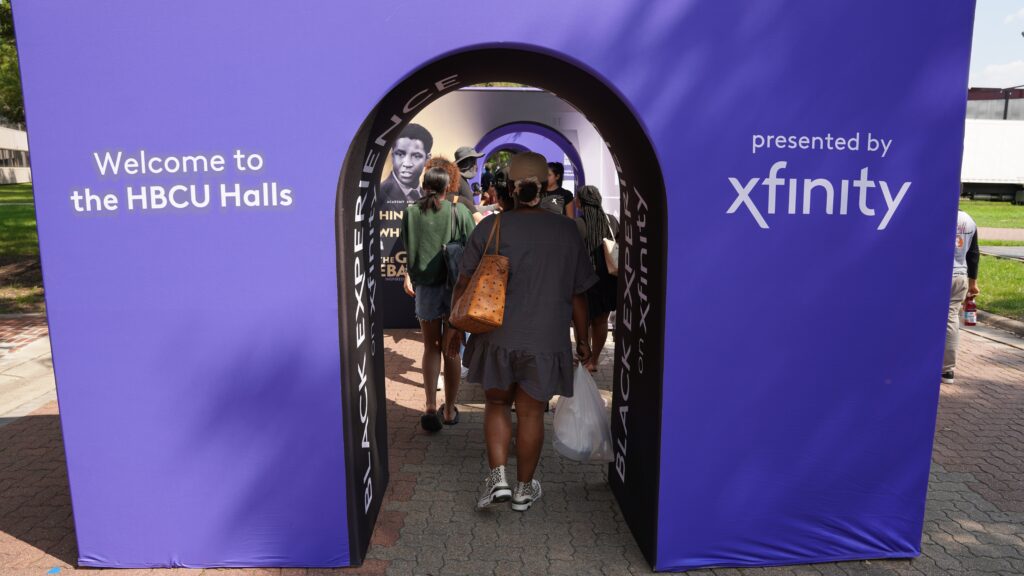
17,331
974,522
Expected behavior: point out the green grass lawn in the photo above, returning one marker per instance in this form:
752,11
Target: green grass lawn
1001,280
994,214
15,193
1001,242
21,282
19,237
1002,287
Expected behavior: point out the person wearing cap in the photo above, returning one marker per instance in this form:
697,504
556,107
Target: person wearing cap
529,358
465,158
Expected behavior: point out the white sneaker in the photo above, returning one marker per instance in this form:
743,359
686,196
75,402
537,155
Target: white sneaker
526,494
440,381
465,372
495,489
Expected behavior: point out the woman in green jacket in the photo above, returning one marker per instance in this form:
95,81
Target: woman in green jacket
427,225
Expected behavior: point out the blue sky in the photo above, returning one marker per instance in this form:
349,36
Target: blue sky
997,58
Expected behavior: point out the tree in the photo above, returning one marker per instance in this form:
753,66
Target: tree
12,106
6,21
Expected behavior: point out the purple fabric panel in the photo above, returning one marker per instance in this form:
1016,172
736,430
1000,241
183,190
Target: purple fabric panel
196,351
803,373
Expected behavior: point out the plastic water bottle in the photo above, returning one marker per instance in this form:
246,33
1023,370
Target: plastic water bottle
970,312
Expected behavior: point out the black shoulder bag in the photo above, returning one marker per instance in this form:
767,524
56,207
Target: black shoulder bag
452,251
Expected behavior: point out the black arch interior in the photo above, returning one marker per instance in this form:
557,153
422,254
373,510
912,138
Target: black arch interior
359,284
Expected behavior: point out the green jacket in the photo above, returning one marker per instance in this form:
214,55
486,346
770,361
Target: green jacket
424,234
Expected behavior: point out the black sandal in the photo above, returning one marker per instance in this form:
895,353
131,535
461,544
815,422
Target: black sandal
453,421
431,422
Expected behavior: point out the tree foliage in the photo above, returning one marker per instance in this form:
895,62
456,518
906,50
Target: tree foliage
6,21
499,159
12,106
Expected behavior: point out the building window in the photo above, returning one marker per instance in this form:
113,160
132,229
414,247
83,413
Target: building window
13,158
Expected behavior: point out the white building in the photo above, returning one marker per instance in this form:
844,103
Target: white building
14,160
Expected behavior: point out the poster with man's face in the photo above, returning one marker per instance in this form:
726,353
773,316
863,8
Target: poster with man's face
411,152
399,189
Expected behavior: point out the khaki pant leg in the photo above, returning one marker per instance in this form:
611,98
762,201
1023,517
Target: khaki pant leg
956,299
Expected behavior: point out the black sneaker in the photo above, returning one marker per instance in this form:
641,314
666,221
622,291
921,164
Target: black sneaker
526,494
495,489
947,377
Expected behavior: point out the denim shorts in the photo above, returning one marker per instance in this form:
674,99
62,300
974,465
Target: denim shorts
433,302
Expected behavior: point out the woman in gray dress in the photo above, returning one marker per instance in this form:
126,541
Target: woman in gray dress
529,358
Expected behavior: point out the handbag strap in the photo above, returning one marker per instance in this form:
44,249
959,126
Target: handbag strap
451,225
495,230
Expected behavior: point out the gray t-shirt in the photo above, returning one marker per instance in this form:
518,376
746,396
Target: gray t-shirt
548,264
965,232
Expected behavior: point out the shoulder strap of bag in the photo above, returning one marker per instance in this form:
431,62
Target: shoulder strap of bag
451,224
611,230
496,230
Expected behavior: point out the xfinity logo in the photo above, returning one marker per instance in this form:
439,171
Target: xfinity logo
814,192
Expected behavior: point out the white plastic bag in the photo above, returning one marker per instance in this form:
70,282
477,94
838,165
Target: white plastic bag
583,431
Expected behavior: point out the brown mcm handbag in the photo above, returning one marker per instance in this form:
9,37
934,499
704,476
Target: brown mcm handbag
481,307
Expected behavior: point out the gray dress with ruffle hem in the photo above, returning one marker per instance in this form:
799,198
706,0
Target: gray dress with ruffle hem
548,264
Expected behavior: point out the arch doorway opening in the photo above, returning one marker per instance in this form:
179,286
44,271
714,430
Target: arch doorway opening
537,137
498,122
639,336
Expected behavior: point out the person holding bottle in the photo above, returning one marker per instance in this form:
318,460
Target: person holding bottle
965,286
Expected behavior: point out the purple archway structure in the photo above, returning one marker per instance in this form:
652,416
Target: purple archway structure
513,146
217,329
522,142
532,136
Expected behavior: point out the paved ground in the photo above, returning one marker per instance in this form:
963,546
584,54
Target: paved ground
1001,234
1016,234
18,330
974,522
26,372
1004,251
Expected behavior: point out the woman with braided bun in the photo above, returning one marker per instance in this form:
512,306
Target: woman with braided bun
594,226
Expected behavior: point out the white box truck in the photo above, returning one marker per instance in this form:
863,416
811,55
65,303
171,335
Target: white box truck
993,167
